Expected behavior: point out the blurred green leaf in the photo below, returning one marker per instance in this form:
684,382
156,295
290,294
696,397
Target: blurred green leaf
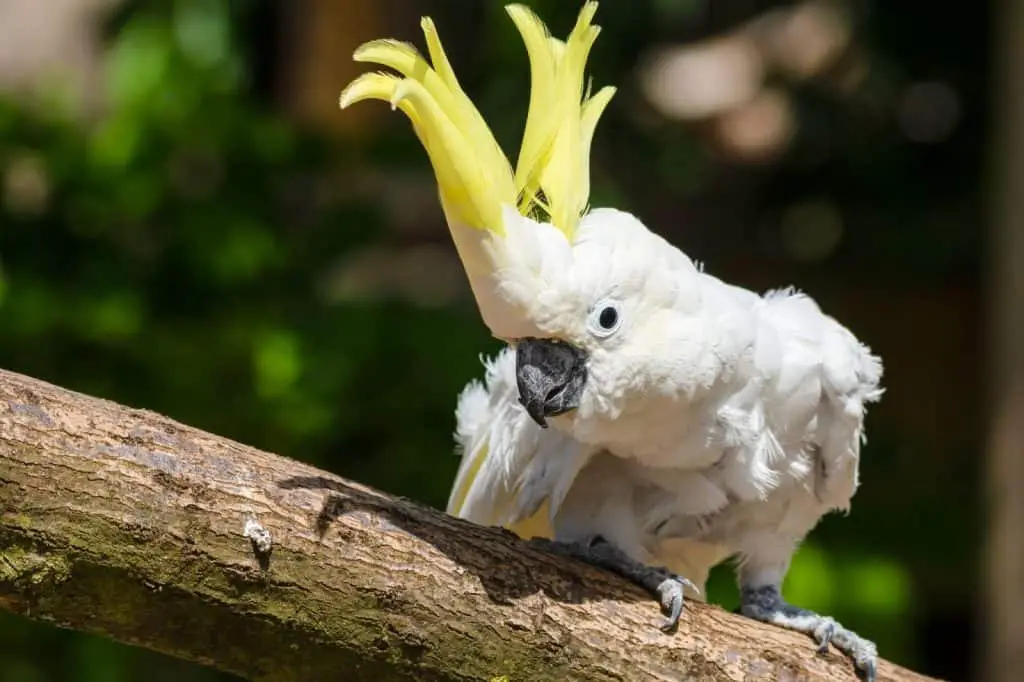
116,316
812,582
138,62
203,31
278,363
879,586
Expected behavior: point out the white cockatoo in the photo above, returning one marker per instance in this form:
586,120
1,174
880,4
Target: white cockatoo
691,421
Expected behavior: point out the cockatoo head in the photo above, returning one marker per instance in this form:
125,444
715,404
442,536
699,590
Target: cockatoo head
616,326
595,304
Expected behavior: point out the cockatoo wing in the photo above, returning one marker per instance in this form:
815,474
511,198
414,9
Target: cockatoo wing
850,378
820,379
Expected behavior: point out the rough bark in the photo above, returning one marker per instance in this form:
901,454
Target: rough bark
125,523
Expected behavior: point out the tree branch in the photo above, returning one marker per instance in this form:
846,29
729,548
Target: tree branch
125,523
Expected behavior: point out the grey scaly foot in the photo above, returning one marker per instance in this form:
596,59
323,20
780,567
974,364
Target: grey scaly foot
665,586
766,604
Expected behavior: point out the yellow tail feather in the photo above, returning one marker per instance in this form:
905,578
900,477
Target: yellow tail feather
536,526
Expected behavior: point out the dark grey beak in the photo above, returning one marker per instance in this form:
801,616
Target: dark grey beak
550,375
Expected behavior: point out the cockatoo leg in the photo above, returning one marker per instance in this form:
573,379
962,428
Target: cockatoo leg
662,584
765,603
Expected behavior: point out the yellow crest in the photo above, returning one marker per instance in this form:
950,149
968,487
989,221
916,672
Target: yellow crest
473,175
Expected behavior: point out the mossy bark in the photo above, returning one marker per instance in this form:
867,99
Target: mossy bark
125,523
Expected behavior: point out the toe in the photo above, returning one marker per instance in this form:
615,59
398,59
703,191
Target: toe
869,669
671,592
824,633
685,582
862,651
866,657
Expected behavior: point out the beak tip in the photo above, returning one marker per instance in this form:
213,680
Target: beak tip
536,413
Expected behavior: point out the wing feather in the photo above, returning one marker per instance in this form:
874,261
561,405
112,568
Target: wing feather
512,473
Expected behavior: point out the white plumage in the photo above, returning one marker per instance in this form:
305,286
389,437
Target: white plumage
692,420
714,423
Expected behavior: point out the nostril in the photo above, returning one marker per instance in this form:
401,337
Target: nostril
554,394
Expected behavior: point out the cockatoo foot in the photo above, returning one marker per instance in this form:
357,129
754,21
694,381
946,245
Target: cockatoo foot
766,604
662,584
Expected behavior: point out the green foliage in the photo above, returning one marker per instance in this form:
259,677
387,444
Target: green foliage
175,256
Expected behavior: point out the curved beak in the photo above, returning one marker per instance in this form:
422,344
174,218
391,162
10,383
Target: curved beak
550,375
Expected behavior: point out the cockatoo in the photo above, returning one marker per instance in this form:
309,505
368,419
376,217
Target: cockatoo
645,416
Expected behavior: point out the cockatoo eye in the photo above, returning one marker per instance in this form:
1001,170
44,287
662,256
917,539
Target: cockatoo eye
605,318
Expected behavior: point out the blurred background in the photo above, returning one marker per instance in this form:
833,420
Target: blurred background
189,224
